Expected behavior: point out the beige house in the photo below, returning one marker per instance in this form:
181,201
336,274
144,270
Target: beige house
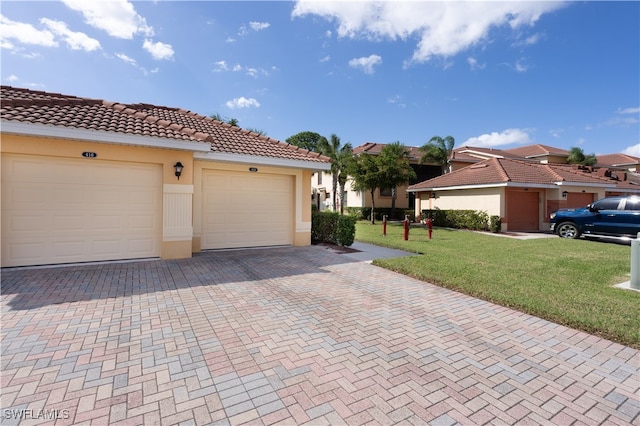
91,180
323,185
522,193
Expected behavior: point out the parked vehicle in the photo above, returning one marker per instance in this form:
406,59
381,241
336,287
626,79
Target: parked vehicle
612,217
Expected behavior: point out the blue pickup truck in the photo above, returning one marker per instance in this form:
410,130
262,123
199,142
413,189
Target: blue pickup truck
610,217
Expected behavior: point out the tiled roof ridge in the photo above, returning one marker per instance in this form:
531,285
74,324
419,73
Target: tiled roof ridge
135,110
237,129
499,167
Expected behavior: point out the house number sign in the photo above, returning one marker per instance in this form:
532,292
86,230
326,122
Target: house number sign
87,154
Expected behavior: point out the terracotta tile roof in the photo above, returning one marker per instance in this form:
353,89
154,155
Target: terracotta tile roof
617,160
536,150
504,171
28,106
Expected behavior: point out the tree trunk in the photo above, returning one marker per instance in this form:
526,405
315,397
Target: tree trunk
342,199
373,206
394,194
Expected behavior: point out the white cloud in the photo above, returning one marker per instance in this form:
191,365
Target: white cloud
520,66
633,150
158,50
325,59
474,64
12,78
126,59
24,34
220,66
75,40
367,64
258,26
629,111
117,17
242,102
443,28
506,137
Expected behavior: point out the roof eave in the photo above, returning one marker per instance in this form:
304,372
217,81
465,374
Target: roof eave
260,160
99,136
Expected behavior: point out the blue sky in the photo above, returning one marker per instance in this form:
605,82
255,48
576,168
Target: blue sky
490,74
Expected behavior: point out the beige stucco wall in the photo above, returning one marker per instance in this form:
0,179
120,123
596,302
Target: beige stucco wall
490,200
177,230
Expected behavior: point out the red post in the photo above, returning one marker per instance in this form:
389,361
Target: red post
406,227
430,226
384,225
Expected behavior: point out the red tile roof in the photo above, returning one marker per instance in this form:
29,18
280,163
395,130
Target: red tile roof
617,160
504,171
29,106
536,150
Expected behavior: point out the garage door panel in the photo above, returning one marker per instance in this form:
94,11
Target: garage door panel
246,209
74,210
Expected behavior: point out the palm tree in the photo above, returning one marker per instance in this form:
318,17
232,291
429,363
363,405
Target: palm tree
331,149
577,156
344,159
395,169
438,150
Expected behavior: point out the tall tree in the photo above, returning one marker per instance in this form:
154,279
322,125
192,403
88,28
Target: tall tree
365,175
577,156
344,159
331,149
438,150
307,140
395,169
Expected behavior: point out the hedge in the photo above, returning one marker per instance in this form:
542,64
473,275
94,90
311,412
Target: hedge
334,228
477,220
364,213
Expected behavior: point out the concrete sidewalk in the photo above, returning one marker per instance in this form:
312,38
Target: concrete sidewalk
293,335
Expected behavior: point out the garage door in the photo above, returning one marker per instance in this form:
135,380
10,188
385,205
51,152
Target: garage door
579,199
71,210
522,211
246,209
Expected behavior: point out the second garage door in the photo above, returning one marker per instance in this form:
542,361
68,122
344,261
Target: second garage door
522,211
246,209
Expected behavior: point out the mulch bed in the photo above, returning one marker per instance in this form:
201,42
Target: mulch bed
337,248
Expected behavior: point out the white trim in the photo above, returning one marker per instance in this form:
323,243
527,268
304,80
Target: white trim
595,185
100,136
555,185
265,161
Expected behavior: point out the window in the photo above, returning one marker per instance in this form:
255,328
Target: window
632,204
320,178
606,204
385,193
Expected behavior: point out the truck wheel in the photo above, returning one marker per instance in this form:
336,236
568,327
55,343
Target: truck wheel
568,230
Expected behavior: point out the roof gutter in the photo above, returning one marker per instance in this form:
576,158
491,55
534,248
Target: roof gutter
100,136
260,160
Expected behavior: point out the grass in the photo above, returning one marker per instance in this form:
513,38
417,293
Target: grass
569,282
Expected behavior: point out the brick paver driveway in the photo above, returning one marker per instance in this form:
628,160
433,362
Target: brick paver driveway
291,336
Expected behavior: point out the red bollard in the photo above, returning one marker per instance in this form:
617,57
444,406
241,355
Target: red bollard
430,226
406,227
384,225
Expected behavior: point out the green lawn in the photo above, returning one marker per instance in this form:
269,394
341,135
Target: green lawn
569,282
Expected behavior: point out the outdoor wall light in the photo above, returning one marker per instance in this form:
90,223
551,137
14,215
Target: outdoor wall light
178,166
433,195
564,194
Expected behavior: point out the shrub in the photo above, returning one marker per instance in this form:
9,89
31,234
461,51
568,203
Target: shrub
495,224
330,227
477,220
346,230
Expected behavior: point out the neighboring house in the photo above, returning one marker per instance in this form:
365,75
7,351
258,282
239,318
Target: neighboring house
323,184
522,192
619,162
90,180
466,155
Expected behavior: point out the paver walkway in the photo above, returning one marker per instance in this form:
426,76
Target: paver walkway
291,336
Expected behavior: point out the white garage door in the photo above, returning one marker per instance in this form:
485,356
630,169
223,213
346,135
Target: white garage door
246,209
76,210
